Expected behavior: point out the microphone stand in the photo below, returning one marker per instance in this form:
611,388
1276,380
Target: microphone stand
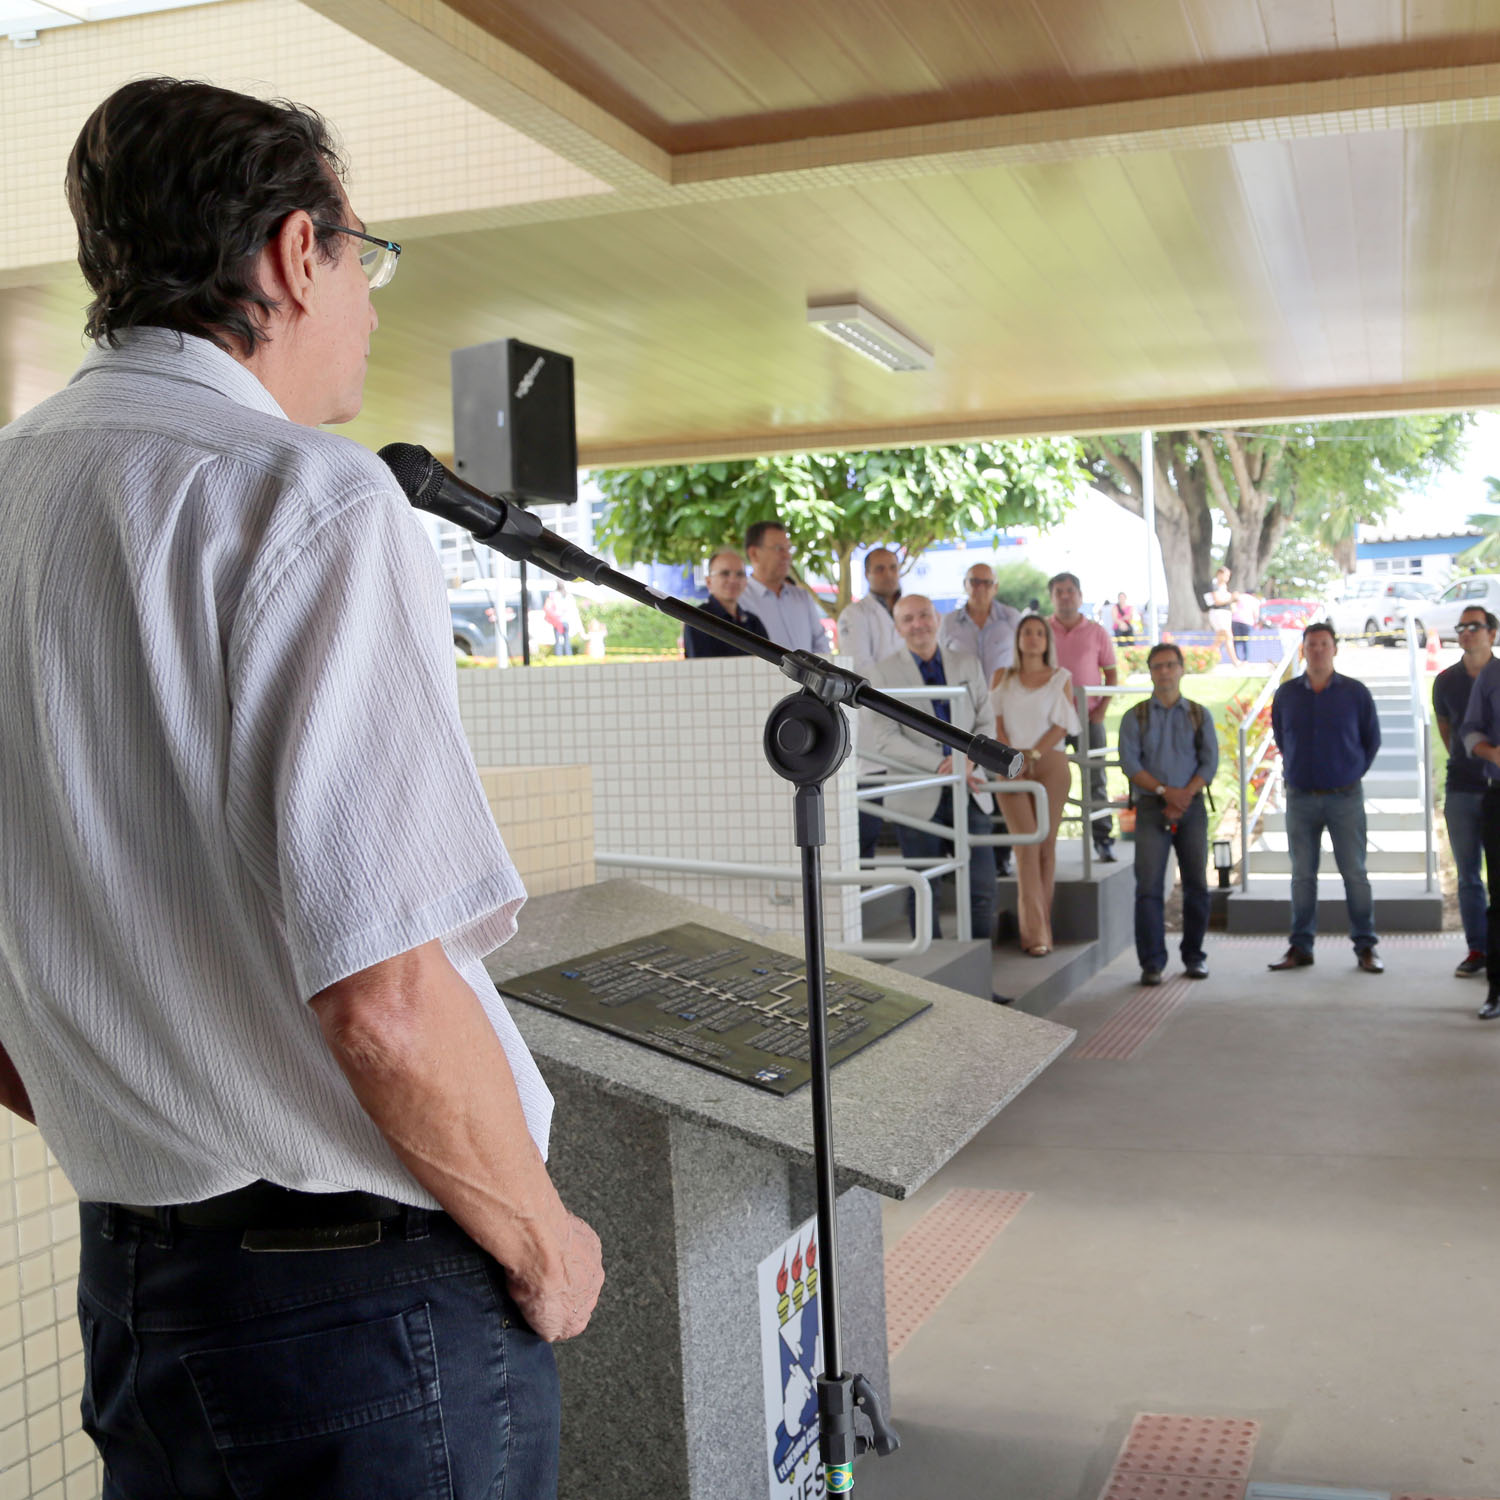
806,740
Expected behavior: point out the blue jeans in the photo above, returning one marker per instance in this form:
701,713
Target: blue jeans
401,1368
918,845
1342,813
1153,840
1462,813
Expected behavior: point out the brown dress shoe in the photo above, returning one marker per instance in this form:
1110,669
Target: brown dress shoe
1293,958
1369,961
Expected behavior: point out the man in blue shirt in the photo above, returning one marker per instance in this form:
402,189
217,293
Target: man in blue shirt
726,582
1480,735
1463,794
1328,734
1170,751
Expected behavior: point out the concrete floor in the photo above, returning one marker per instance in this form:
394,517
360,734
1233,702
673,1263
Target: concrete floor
1285,1207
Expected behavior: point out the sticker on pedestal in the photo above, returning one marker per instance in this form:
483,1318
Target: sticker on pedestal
791,1351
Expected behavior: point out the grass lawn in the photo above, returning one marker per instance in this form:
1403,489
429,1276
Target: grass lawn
1214,690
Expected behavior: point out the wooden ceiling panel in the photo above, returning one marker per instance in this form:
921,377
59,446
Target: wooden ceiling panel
1102,284
725,73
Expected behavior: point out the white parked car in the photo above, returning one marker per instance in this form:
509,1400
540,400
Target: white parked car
1376,608
1479,592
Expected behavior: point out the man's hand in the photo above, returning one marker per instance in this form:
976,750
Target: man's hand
945,767
558,1304
1178,800
1097,712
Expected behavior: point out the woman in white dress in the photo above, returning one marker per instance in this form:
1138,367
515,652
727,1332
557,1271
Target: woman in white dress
1221,615
1034,710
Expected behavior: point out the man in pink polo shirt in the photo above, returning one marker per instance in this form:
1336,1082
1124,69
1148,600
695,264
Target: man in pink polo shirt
1087,650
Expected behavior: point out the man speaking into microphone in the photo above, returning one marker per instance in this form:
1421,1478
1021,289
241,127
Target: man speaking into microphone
248,874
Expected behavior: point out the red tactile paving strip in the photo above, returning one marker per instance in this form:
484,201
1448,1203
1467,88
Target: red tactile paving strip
1128,1486
1135,1022
1189,1447
930,1259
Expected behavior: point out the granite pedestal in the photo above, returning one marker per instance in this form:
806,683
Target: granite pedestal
692,1178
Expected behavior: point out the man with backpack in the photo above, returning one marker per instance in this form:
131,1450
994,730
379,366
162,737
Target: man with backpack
1170,751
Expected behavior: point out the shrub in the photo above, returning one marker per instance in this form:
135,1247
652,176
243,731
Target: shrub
1194,658
633,626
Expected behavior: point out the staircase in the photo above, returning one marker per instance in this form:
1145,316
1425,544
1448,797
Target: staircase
1397,816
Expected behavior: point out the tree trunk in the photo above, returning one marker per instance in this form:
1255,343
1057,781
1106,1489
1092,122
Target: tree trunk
1184,564
845,553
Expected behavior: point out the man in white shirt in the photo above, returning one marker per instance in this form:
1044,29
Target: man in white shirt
866,630
868,634
792,616
249,874
984,627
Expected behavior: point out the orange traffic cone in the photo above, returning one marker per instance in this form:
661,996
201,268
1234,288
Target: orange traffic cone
1432,651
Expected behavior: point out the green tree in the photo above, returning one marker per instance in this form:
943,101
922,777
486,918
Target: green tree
1302,567
1256,485
1485,553
1018,583
833,503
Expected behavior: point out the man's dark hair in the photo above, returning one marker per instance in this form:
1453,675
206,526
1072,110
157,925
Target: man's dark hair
1307,630
1490,622
1161,646
871,553
758,530
176,187
1058,578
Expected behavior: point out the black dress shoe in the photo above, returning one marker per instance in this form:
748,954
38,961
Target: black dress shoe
1151,976
1491,1007
1198,969
1105,854
1474,964
1000,999
1293,958
1369,961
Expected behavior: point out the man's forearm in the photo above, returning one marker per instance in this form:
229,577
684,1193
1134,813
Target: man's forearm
428,1069
13,1093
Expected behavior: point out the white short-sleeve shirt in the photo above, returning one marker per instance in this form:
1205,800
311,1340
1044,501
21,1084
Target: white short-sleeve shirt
1028,713
231,772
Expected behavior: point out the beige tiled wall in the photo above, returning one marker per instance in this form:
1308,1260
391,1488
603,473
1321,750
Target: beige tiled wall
43,1451
678,770
546,814
417,150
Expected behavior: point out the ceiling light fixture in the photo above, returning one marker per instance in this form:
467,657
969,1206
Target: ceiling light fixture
855,326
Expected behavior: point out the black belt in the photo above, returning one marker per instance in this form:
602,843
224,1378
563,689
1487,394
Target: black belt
1325,791
265,1206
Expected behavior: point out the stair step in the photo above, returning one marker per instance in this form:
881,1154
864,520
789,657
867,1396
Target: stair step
1375,821
1377,862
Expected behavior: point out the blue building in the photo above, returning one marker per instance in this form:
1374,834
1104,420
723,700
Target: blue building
1429,557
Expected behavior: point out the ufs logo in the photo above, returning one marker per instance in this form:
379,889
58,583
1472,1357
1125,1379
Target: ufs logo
797,1312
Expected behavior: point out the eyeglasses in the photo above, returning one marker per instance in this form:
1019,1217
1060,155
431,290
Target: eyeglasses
1470,625
379,262
981,583
727,573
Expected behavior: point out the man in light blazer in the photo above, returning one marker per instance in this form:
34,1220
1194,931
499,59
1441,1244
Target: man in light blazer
922,663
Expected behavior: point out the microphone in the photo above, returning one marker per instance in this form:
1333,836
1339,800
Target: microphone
994,756
505,525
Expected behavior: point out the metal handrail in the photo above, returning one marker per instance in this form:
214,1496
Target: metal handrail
1249,817
917,882
958,834
1421,718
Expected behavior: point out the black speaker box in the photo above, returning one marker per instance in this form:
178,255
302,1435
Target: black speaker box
513,428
